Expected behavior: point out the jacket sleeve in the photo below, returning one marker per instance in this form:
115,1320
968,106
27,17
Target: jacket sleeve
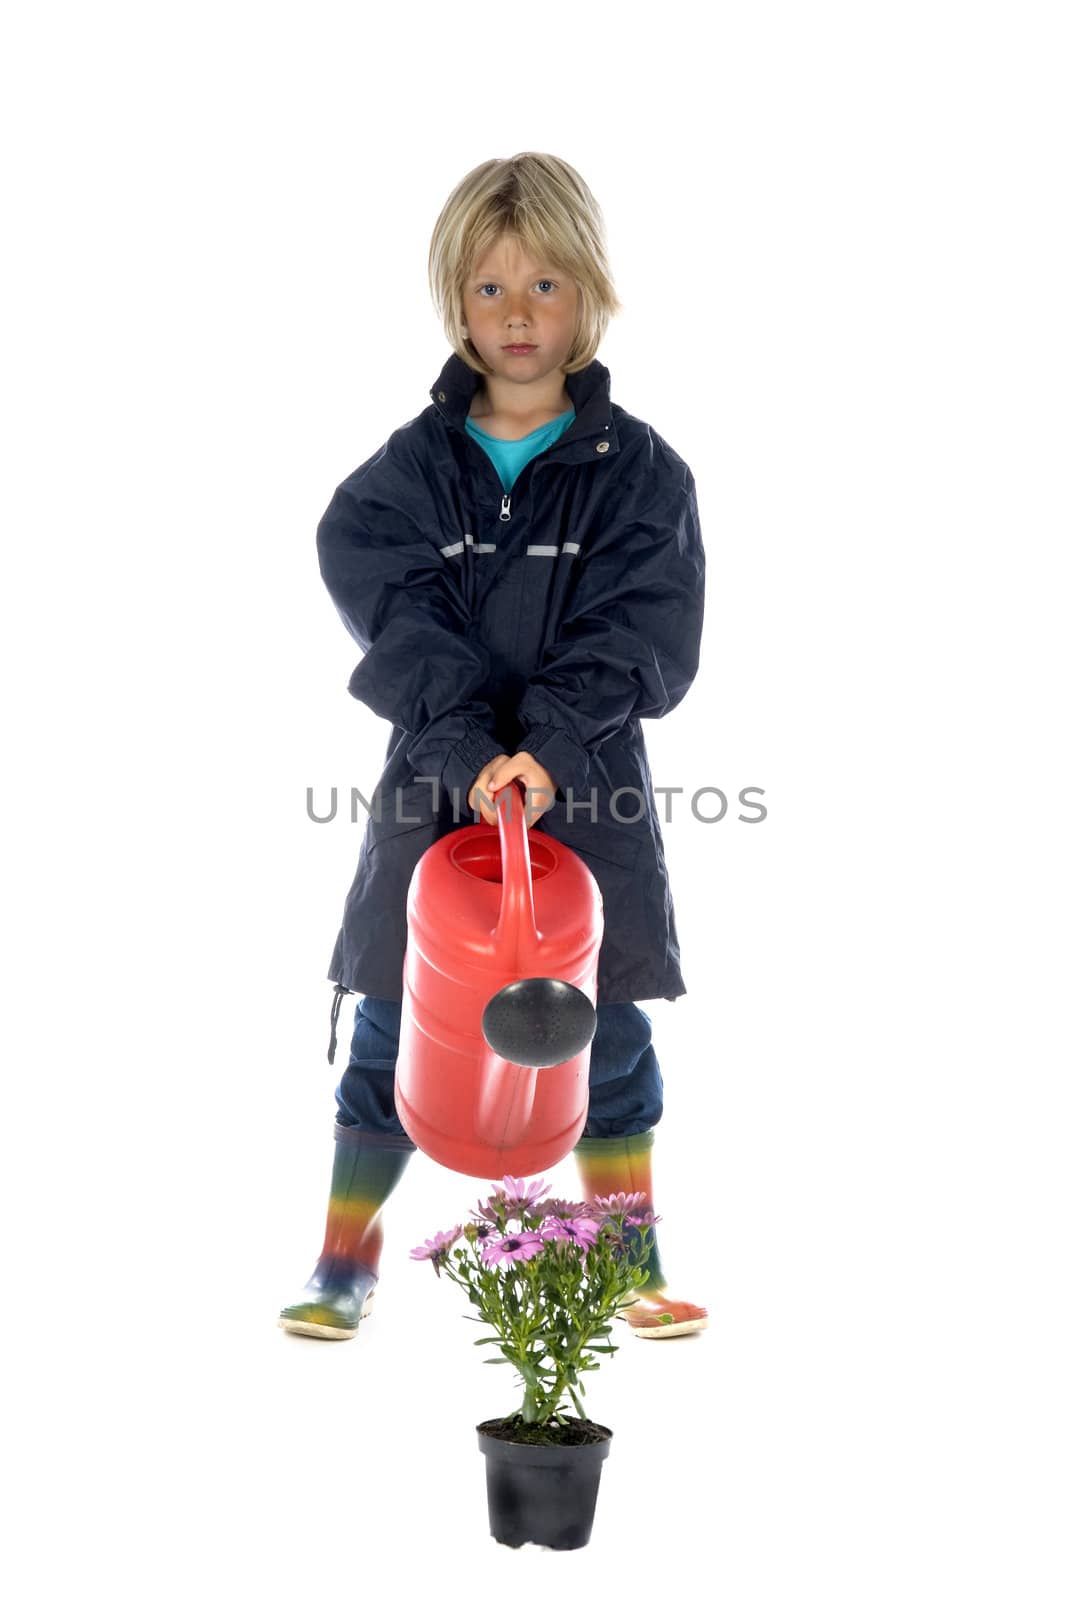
628,645
421,668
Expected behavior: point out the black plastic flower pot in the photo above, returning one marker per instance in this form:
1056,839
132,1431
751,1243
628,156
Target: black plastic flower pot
543,1493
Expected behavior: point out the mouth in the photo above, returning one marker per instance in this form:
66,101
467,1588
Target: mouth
519,349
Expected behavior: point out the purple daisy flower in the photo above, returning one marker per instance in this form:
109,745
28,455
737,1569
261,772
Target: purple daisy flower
520,1193
489,1213
564,1208
512,1247
581,1231
436,1249
513,1197
618,1205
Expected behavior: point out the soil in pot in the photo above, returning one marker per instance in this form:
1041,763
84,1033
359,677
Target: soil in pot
575,1432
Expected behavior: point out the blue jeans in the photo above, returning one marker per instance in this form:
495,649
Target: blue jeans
624,1081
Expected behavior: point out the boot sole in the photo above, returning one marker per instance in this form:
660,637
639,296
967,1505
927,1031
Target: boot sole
671,1330
322,1330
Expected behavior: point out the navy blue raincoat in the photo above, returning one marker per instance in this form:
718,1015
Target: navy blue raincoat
550,619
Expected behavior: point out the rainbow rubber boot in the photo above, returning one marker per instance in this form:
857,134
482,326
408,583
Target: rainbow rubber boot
623,1166
339,1293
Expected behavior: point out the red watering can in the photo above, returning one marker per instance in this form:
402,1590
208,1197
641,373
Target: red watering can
504,926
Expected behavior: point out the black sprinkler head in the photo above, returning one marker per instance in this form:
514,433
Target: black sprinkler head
539,1022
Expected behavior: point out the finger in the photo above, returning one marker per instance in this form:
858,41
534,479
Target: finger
481,793
510,769
538,798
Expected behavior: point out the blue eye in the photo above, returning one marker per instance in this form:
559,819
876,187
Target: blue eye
549,281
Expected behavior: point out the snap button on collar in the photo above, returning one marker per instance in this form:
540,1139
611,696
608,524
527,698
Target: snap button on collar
602,445
441,396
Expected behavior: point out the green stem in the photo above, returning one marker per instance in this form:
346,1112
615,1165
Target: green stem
530,1409
576,1402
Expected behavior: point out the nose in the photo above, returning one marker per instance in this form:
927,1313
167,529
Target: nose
517,315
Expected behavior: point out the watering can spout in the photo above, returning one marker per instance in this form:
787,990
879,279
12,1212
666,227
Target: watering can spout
539,1022
531,1024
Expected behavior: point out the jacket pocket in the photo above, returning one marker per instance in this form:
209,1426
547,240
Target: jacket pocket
615,856
613,842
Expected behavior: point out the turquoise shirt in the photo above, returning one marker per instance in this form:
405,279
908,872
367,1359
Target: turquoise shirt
511,456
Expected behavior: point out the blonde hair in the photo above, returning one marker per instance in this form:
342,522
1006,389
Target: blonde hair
547,206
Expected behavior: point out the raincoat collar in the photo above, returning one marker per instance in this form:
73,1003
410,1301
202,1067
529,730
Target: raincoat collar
588,389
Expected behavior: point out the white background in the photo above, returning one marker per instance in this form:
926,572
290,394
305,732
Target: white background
836,231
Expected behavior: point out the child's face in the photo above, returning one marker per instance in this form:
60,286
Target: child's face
513,298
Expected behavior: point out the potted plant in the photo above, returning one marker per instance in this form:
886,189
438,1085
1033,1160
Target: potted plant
547,1276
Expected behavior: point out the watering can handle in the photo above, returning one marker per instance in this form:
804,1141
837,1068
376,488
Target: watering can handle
516,933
